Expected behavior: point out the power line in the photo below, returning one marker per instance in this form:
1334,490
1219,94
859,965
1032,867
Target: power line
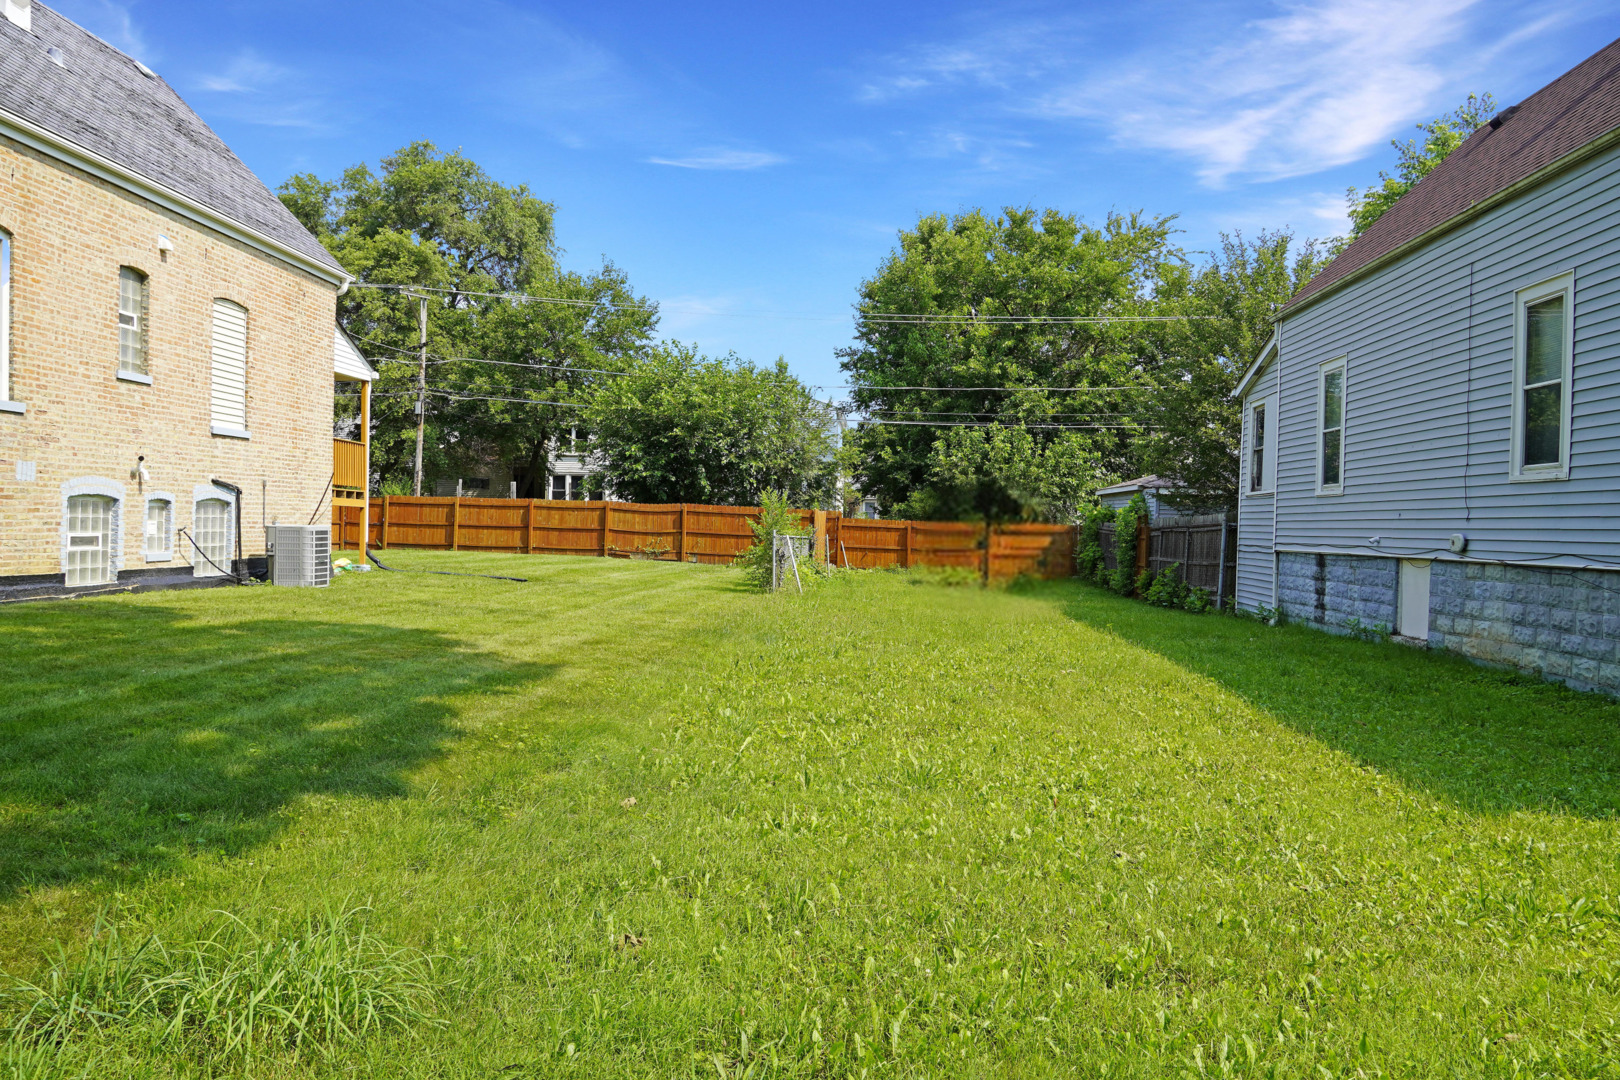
889,317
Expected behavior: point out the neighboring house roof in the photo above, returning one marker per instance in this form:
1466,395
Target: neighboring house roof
1519,148
68,83
347,360
1141,483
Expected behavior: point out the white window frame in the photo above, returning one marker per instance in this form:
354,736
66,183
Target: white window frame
6,403
137,323
166,553
1268,463
1323,370
1564,285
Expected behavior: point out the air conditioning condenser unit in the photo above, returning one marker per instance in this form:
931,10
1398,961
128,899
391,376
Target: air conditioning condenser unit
299,555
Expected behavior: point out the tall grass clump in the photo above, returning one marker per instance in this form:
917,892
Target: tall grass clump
232,991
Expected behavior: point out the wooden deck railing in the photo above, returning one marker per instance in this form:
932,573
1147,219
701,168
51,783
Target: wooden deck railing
348,464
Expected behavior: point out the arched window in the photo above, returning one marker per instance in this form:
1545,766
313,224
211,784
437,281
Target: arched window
158,543
88,559
211,526
132,305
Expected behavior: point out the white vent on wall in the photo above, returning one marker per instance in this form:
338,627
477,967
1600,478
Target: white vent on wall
25,472
300,555
20,12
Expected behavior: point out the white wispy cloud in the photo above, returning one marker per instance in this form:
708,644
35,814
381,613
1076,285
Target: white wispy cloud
728,160
1319,85
248,73
259,91
1306,86
110,21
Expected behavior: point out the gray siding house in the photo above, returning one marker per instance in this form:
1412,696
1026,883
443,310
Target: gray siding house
1431,439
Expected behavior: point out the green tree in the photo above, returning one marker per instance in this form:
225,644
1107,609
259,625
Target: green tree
1415,160
437,222
954,281
678,426
1191,424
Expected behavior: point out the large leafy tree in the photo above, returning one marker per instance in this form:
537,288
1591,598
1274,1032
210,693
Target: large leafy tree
949,311
1415,160
1190,423
678,426
437,223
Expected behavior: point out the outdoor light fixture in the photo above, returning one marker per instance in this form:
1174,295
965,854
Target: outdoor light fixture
139,473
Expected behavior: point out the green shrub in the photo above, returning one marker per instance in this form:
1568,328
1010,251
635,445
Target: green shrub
1168,589
1089,560
1126,522
775,516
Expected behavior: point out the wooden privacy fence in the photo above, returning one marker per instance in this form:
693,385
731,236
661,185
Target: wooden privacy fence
1206,552
689,532
677,532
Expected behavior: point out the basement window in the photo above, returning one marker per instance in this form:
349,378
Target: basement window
88,558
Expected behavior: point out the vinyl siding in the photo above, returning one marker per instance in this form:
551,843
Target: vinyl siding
228,370
1256,565
1429,391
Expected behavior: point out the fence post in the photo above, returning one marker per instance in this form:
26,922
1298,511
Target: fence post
818,530
1144,539
528,530
680,547
1220,572
386,500
605,512
984,562
907,560
455,521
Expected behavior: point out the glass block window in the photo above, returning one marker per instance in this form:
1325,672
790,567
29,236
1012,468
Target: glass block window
89,539
211,525
158,541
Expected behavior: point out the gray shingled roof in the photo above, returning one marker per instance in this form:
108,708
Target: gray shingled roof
98,99
1571,112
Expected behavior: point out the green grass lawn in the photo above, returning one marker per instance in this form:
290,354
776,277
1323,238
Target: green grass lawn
632,819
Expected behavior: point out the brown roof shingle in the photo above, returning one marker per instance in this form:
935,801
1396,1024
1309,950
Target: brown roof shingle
1567,114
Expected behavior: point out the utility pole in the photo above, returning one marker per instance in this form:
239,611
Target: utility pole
421,390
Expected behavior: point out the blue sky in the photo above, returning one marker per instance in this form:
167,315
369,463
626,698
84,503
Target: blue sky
749,164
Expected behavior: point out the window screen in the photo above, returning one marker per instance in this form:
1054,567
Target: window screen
1543,391
132,321
89,540
1332,448
559,487
212,527
1257,449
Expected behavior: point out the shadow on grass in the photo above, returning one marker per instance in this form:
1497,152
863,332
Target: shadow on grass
131,734
1479,738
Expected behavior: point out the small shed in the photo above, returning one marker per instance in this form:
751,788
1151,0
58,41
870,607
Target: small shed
1157,491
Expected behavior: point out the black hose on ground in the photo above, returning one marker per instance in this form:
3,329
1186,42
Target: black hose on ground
372,555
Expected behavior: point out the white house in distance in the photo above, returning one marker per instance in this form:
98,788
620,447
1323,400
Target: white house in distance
1431,439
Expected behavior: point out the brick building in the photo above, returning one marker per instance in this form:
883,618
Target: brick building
167,340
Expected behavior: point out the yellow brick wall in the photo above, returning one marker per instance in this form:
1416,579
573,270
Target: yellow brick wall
70,234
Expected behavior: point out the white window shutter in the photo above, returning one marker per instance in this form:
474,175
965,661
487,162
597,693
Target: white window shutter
228,382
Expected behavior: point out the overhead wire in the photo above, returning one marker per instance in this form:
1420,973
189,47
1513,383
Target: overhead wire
892,317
